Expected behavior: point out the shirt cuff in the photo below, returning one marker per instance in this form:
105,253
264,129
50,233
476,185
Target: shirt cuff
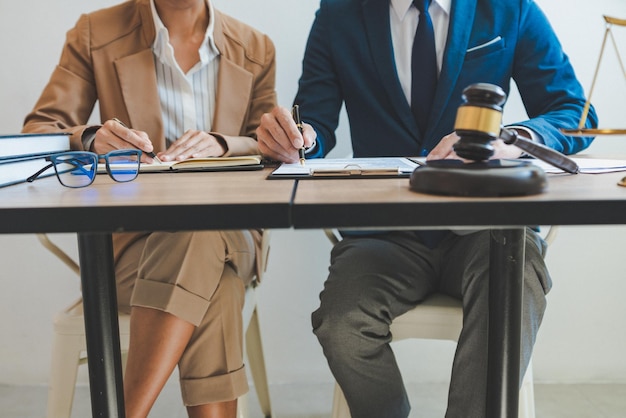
530,134
88,136
311,149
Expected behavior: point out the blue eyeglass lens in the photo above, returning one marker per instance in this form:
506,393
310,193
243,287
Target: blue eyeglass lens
123,165
75,169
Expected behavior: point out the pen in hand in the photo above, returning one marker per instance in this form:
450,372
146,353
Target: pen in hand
295,113
151,154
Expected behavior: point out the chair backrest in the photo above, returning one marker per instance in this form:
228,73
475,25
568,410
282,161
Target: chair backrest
56,250
265,253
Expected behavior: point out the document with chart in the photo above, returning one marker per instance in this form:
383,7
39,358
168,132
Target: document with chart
374,167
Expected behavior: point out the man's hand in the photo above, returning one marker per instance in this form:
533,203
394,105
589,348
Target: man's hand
445,150
279,138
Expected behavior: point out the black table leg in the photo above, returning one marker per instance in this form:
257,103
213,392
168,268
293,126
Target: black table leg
505,321
101,324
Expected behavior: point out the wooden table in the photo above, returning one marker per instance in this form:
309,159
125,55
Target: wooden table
236,200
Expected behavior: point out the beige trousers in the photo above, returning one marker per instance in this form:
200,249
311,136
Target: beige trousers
200,277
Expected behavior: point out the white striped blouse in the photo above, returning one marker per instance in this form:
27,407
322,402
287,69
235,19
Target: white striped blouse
187,100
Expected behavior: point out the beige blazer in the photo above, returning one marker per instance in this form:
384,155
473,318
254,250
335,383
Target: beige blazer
107,59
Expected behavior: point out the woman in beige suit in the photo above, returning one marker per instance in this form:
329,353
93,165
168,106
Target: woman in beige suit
181,79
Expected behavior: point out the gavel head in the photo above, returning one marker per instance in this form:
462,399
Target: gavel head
478,121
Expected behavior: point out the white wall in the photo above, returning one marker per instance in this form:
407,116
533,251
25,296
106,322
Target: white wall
583,336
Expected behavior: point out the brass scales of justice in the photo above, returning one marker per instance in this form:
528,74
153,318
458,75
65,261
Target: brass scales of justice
580,130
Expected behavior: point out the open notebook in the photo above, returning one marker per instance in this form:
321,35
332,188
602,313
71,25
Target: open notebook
206,164
242,162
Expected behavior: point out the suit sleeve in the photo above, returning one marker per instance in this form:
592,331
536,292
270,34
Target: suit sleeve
319,90
68,99
552,95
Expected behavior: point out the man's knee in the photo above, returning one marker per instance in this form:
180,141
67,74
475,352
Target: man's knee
335,336
345,320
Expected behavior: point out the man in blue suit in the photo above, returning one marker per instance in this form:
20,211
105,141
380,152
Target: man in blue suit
360,53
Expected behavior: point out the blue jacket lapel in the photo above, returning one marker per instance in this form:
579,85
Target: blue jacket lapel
461,21
377,26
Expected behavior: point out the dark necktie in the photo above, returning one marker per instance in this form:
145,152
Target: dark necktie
423,66
423,84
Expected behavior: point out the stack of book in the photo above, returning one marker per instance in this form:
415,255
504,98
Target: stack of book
22,155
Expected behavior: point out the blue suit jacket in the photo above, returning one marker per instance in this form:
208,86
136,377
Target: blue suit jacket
349,59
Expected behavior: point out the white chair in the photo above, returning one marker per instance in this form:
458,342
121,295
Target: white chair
439,317
69,345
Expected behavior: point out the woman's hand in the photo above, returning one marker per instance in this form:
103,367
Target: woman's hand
114,135
194,144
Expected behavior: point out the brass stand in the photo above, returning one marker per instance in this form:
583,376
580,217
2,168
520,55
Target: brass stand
581,131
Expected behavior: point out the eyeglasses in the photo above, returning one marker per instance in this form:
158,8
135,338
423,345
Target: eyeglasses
78,168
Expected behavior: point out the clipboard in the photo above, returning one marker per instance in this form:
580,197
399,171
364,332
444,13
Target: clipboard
344,168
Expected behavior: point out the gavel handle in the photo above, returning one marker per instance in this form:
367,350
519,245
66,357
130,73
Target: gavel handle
539,151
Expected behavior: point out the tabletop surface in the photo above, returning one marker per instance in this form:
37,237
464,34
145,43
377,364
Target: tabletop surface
208,200
568,200
246,199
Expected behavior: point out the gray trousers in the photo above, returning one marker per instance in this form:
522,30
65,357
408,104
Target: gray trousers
373,279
